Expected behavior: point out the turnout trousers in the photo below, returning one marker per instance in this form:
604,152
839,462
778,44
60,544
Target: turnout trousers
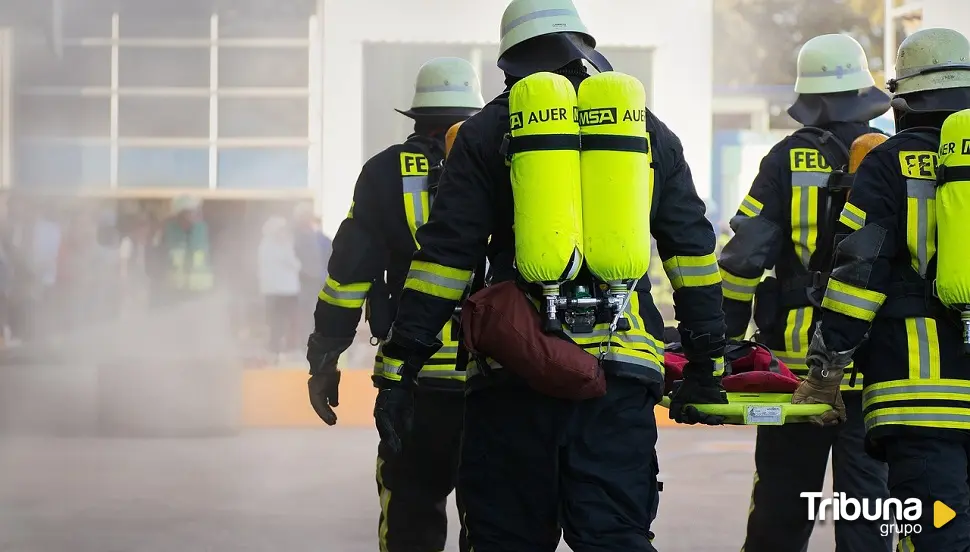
536,468
792,459
931,469
414,485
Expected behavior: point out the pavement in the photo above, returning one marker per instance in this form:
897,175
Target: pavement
299,490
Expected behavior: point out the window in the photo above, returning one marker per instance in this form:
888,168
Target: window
79,66
62,166
263,117
163,117
63,116
163,67
265,18
161,25
263,168
163,168
259,67
87,23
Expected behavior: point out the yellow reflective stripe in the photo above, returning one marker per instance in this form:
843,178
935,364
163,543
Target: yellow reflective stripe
348,296
796,331
852,216
392,368
751,206
923,348
804,212
921,222
437,280
906,402
416,202
385,500
719,366
796,363
685,271
906,545
738,288
852,301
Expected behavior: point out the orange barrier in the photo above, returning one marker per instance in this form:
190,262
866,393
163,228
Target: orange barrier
277,397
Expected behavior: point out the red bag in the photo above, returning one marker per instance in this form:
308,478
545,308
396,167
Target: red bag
500,322
749,368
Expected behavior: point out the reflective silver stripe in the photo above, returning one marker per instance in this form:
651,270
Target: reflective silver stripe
443,88
680,271
796,331
738,288
852,300
634,323
875,418
806,180
621,336
924,348
540,14
923,191
919,389
795,364
414,186
449,374
347,295
853,217
617,354
434,279
391,369
447,351
838,72
750,205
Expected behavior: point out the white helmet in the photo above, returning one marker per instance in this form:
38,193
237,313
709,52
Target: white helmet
832,63
527,19
446,86
931,59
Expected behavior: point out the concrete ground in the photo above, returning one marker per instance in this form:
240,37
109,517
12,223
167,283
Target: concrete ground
298,491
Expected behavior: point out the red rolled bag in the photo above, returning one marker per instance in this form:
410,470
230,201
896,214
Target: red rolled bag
501,323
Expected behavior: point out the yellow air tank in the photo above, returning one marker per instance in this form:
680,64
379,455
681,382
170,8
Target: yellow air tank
544,151
617,180
450,137
953,218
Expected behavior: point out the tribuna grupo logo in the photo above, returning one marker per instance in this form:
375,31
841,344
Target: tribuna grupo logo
901,517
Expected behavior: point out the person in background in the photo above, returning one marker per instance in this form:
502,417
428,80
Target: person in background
326,244
279,282
133,252
184,244
306,242
37,240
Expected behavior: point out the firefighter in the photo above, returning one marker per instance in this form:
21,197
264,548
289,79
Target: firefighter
534,467
788,221
917,385
369,264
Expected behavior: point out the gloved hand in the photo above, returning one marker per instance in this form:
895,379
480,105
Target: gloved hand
394,412
322,354
699,386
825,370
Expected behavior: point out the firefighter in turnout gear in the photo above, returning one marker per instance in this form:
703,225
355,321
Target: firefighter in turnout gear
788,221
907,248
536,466
369,265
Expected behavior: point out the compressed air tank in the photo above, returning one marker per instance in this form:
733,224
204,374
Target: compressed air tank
617,180
953,212
544,150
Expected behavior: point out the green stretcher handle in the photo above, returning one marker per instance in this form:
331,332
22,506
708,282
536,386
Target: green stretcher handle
760,409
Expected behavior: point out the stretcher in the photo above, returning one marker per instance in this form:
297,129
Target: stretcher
759,387
760,409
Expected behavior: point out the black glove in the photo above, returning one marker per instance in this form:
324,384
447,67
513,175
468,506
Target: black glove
699,386
322,354
394,408
394,413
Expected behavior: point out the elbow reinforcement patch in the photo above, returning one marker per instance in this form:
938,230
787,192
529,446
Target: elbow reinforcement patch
617,179
856,254
755,240
545,173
